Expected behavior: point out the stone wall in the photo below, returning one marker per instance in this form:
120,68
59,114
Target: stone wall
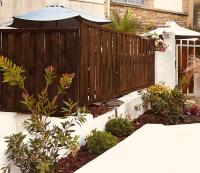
150,17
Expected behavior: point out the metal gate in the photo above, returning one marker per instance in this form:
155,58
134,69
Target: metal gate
184,49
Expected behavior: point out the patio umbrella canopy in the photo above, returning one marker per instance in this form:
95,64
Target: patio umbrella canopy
180,32
54,17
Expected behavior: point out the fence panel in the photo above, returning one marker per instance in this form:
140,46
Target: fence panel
35,50
113,64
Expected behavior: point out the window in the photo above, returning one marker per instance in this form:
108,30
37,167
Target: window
171,5
136,2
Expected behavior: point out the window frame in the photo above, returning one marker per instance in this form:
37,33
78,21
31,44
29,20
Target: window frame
127,2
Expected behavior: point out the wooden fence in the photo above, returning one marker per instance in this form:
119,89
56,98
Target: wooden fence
113,64
107,64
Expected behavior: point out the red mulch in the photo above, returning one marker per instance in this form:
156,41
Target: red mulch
70,164
98,110
149,119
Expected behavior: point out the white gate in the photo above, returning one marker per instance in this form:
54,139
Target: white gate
184,49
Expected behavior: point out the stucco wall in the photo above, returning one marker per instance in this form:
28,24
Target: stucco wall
165,70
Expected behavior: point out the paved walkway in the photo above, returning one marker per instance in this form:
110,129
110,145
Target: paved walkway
152,149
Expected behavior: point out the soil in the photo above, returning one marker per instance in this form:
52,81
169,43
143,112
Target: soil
96,110
148,119
71,164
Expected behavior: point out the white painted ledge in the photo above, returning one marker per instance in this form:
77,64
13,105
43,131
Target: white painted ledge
12,122
152,149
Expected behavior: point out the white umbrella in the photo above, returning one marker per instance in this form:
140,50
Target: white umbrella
53,17
176,29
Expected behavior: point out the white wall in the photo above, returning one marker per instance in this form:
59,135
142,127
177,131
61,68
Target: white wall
11,123
165,70
172,5
154,148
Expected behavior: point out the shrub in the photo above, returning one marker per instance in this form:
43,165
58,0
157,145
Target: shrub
98,142
37,151
164,101
119,127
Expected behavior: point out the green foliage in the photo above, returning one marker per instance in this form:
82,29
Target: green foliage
127,23
99,142
163,101
119,127
38,150
12,74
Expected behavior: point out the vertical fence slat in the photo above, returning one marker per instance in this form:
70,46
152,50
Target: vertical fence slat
84,65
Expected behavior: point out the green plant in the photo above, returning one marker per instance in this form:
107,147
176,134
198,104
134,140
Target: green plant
98,142
119,127
38,150
163,101
127,23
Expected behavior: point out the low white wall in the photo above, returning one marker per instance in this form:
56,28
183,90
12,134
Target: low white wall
165,70
154,148
12,122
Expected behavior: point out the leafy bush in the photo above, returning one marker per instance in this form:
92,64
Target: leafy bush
164,101
37,151
98,142
119,127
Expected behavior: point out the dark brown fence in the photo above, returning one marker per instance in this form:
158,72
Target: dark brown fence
35,50
107,64
113,64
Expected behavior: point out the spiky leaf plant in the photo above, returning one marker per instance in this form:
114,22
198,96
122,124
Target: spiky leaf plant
125,24
38,150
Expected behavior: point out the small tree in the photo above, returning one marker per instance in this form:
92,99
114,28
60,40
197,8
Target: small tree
127,23
38,150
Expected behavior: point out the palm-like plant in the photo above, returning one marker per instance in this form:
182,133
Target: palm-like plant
127,23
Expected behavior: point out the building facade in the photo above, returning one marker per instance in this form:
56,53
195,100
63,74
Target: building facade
150,13
154,13
197,14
